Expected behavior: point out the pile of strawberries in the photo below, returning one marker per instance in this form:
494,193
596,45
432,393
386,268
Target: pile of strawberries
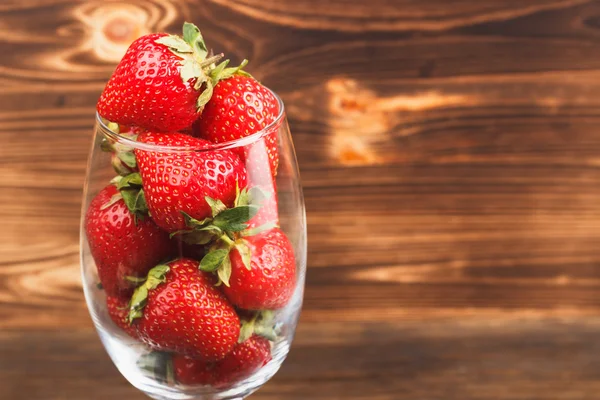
185,238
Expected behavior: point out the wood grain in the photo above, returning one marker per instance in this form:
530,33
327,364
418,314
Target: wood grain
449,155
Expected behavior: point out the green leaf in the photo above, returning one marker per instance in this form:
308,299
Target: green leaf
246,330
133,180
205,95
242,197
193,36
135,279
258,195
224,272
217,71
268,332
115,198
245,253
216,206
190,32
234,219
260,229
116,179
138,302
128,158
130,199
106,146
113,127
214,260
176,44
156,276
140,203
193,222
229,72
200,235
190,70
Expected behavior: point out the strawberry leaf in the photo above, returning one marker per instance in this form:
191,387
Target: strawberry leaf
216,206
192,35
234,219
260,229
214,260
133,180
115,198
245,253
217,71
224,272
202,235
193,222
242,198
175,44
247,329
220,73
258,195
156,276
190,70
205,95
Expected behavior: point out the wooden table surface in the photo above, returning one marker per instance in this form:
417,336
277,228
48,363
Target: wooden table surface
450,154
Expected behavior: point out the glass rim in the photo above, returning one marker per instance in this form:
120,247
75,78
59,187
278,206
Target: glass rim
230,144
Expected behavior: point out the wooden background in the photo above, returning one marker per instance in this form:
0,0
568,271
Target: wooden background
450,152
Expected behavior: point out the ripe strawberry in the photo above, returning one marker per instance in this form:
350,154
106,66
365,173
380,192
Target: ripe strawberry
161,83
122,244
179,309
245,359
118,310
239,107
190,371
263,272
181,180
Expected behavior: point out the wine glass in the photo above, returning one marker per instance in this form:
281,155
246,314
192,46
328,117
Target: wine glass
133,262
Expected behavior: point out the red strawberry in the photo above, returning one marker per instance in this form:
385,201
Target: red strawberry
179,309
239,107
120,245
118,310
181,180
189,371
269,282
159,82
245,359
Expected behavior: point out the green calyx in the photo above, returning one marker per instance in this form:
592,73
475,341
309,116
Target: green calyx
123,158
225,231
132,192
262,323
156,276
197,64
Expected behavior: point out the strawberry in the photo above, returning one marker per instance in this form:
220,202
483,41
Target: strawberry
121,244
239,107
118,310
179,181
260,272
179,309
245,359
189,371
162,83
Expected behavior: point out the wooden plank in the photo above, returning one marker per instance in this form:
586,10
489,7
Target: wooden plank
449,154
